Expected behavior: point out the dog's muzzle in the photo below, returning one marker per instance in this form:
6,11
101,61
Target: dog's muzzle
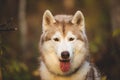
65,61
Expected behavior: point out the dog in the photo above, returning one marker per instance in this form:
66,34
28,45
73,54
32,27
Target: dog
64,49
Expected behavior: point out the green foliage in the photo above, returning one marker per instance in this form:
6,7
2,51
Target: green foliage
15,70
93,47
104,78
116,32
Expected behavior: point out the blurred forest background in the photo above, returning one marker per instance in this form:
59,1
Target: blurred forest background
20,29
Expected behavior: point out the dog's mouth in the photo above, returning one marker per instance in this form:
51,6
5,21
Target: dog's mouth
65,65
65,60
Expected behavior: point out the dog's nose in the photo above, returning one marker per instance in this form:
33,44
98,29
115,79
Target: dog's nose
65,54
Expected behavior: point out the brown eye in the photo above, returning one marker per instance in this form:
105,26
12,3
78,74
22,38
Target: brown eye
71,39
56,39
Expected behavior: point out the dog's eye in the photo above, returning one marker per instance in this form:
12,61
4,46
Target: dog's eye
71,39
56,39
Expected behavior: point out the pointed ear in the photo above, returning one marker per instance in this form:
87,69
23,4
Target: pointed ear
78,19
48,19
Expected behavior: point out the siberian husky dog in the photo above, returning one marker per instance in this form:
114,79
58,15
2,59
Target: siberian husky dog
64,49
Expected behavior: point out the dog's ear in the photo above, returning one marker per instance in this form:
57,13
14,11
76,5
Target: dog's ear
48,19
78,19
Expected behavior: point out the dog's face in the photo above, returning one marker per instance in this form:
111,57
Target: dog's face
63,43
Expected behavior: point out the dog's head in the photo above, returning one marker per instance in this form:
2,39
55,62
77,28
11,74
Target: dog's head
63,43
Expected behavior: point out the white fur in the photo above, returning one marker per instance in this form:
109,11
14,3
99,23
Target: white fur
64,44
97,75
79,75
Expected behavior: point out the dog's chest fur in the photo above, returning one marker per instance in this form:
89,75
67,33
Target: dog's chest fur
78,75
85,72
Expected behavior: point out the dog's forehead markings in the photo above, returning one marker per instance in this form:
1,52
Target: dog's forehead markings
65,18
57,34
69,33
63,24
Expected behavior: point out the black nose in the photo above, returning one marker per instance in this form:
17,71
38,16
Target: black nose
65,54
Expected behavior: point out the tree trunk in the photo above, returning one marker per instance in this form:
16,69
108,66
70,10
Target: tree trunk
115,20
0,74
23,23
0,59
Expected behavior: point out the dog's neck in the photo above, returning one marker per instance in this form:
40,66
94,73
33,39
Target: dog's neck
93,74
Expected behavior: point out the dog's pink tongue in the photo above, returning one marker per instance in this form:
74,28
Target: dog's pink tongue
65,66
